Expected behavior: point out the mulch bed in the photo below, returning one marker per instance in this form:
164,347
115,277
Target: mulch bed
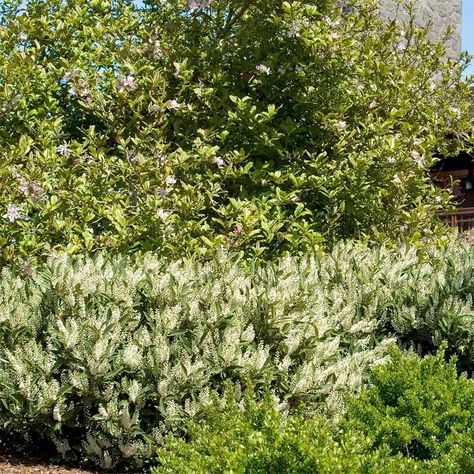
14,464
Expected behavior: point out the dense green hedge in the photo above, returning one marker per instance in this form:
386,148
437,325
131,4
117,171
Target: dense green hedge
265,126
250,437
421,410
417,416
103,356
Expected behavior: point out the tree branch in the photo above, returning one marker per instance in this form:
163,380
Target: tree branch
234,18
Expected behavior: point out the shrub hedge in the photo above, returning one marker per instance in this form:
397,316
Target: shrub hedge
251,437
104,356
421,410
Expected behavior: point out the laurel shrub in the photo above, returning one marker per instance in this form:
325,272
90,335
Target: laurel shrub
104,356
186,126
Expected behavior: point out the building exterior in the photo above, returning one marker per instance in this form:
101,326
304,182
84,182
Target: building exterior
457,173
437,15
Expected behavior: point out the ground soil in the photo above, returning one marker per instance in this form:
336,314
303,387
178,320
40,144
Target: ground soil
11,464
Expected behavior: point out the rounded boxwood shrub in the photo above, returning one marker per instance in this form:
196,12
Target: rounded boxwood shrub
420,409
184,126
250,437
416,416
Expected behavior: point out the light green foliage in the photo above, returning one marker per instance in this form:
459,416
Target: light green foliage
104,356
422,410
250,437
265,126
416,416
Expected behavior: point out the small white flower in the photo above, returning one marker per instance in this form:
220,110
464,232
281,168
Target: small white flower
332,23
170,181
342,124
22,36
162,214
14,212
132,356
294,28
160,158
439,199
392,160
263,69
219,161
72,91
418,157
125,83
162,192
64,149
396,179
173,104
455,111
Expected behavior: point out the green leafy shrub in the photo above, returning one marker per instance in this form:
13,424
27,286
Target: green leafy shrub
416,416
420,409
256,437
105,356
262,126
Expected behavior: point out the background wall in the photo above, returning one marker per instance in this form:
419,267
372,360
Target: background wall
441,13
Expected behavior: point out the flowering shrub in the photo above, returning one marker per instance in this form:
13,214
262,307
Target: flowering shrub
184,126
103,356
